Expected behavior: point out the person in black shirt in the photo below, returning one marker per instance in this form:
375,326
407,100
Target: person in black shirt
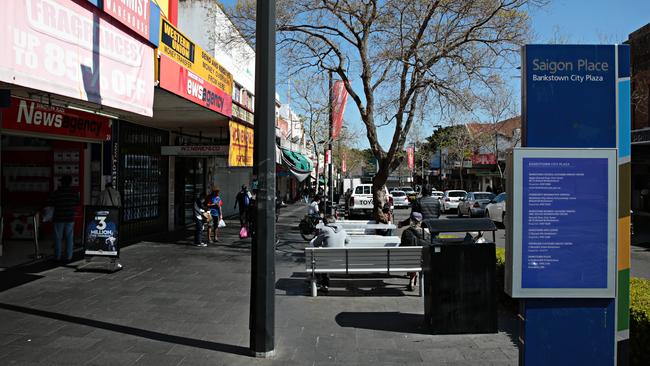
427,205
65,201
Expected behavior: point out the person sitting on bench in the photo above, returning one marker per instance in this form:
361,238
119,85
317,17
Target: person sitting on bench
414,235
331,235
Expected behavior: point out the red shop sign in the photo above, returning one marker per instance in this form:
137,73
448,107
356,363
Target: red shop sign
133,14
30,116
181,81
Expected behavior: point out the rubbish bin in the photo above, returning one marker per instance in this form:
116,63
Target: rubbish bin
460,289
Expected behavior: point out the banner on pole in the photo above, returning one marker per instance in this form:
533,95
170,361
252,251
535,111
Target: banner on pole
339,100
410,157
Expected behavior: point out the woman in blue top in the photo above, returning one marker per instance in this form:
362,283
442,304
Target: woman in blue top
214,204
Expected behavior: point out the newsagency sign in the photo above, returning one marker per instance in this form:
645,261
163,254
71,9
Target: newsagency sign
564,89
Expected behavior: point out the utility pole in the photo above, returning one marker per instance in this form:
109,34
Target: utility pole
262,300
330,165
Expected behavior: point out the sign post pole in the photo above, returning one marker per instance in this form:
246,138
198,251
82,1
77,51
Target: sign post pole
586,89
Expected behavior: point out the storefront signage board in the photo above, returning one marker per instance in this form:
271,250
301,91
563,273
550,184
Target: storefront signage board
191,56
181,81
193,150
101,231
29,116
563,223
133,14
61,47
240,153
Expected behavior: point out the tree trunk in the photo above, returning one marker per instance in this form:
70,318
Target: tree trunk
378,183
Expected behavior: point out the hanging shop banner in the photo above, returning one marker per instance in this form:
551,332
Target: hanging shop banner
344,166
31,116
183,82
340,99
240,153
61,47
181,49
410,158
135,14
101,231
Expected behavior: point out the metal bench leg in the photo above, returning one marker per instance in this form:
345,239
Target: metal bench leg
421,284
314,289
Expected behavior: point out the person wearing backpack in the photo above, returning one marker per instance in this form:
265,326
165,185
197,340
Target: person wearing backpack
243,199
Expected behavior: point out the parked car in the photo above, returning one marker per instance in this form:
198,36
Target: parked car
400,199
361,201
410,193
473,205
496,209
451,199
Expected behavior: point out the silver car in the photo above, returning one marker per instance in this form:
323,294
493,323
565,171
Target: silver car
473,204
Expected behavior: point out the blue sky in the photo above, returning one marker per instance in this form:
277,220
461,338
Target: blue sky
576,21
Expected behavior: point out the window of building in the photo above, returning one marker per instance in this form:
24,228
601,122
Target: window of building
236,93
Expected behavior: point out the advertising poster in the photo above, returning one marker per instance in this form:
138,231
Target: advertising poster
410,158
182,50
101,231
65,48
240,153
31,116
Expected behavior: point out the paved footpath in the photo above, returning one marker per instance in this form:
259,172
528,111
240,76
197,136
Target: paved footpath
175,304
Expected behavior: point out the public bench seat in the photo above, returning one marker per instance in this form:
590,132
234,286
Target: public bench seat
353,260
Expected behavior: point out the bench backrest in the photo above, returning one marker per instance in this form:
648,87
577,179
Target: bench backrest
363,260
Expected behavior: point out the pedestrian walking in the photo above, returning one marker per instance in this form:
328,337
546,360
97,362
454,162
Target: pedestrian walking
427,205
64,201
214,204
243,199
109,197
200,216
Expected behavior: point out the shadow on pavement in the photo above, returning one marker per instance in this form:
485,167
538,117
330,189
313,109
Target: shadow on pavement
360,285
156,336
387,321
408,323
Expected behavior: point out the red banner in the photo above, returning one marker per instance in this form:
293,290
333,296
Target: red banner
339,100
344,166
484,159
180,81
133,14
410,157
30,116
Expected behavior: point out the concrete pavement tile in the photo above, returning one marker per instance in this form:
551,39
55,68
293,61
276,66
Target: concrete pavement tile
27,354
78,343
33,340
158,360
494,354
441,355
6,338
115,358
511,353
70,357
73,330
148,346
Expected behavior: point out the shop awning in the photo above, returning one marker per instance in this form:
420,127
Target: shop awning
299,165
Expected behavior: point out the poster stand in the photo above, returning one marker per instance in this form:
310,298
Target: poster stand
101,236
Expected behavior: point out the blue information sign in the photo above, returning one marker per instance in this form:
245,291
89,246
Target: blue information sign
569,96
565,223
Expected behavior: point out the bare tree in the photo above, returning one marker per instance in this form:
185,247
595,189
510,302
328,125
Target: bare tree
394,55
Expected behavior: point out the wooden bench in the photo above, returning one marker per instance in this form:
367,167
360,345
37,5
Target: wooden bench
351,260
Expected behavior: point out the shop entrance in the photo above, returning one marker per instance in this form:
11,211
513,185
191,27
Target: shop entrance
190,183
31,170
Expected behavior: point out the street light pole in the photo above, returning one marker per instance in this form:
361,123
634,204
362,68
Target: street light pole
262,300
